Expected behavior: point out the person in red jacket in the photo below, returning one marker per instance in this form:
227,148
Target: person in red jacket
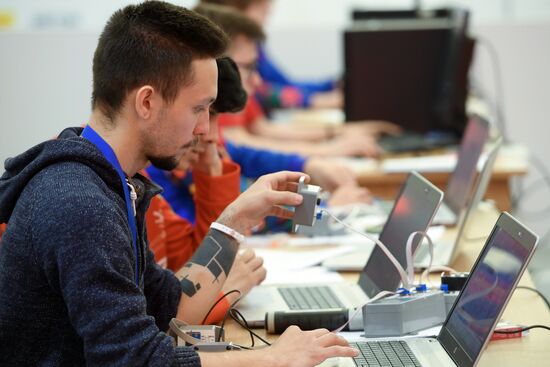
2,230
173,239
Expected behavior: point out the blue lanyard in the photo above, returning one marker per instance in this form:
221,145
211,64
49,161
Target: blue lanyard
89,134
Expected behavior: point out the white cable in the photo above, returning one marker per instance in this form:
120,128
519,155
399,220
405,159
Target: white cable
429,270
409,253
396,264
407,277
360,308
353,213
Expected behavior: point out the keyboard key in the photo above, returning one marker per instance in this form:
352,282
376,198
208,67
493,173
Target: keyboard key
309,298
385,354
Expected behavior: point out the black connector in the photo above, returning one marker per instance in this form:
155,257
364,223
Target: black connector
455,282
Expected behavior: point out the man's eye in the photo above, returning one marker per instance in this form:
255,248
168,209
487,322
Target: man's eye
200,109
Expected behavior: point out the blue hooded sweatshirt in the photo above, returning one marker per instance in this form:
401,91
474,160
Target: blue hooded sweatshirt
68,294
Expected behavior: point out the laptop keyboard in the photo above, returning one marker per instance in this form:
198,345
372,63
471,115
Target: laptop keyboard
385,353
310,298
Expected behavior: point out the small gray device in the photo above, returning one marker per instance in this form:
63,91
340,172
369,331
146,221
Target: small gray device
305,213
405,314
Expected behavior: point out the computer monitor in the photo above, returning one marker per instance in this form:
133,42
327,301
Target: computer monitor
409,71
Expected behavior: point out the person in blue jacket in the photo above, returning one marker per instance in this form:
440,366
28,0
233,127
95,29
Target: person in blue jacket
178,189
278,90
79,285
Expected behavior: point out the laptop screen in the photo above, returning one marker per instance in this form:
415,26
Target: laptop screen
412,211
462,178
486,292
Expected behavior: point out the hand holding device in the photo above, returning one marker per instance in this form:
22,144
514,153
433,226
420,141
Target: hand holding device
264,198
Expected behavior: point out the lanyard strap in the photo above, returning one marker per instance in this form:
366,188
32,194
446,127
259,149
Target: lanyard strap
89,134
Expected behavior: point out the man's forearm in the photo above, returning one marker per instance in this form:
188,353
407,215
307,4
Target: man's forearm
238,359
203,276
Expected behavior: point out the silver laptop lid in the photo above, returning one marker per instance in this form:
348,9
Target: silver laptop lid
412,211
457,192
487,291
480,186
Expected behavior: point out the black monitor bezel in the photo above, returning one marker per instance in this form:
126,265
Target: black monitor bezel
523,236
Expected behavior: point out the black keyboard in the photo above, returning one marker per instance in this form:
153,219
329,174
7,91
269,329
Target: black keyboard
310,298
385,353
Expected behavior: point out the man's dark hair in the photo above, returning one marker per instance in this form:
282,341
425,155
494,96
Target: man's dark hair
239,4
152,43
233,22
231,94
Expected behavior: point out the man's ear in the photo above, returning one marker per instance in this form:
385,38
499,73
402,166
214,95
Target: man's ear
145,101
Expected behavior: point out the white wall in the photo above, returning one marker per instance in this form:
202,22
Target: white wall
45,63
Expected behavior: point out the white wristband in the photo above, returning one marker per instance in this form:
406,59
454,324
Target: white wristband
228,231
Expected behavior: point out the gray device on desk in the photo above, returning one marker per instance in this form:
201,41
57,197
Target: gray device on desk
413,211
477,310
445,249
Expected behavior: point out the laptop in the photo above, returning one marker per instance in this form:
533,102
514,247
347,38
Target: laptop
459,185
445,249
413,211
475,313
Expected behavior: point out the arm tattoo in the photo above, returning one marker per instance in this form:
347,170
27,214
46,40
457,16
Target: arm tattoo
188,287
217,253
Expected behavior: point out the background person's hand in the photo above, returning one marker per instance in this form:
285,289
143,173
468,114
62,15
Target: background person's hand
207,157
263,198
350,146
246,273
350,194
372,128
329,174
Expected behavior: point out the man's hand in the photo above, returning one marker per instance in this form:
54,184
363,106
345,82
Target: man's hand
297,348
329,174
294,348
262,199
246,273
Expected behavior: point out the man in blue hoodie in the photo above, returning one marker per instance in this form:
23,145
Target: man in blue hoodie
78,284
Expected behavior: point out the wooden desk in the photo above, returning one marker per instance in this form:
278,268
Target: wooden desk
510,164
525,307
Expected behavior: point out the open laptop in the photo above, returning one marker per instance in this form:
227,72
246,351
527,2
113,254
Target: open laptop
445,249
475,313
413,211
459,185
461,179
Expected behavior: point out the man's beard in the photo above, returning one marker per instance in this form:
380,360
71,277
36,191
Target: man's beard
168,163
164,163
